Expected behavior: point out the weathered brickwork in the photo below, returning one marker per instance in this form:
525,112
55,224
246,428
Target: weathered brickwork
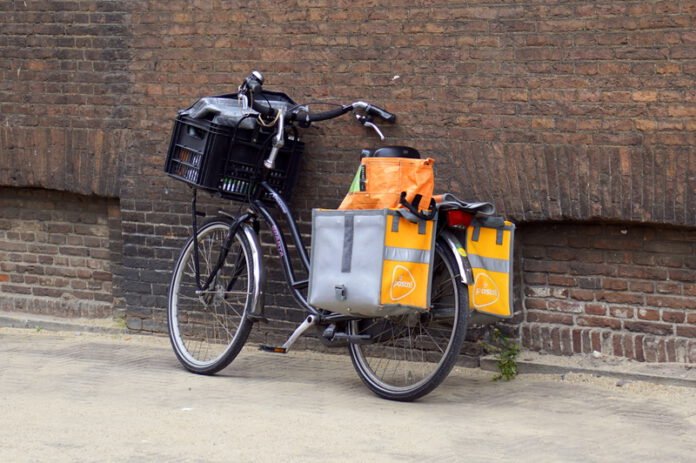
58,253
63,94
554,110
622,290
551,109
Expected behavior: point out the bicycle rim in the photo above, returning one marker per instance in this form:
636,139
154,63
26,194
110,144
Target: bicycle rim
412,354
208,328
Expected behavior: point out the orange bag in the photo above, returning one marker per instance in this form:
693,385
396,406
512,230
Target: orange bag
380,182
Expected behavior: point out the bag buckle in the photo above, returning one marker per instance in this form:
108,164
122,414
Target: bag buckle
340,292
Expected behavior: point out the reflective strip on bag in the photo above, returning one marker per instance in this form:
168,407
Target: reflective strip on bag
489,248
418,256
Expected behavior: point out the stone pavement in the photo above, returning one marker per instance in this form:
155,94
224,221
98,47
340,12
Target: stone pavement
71,395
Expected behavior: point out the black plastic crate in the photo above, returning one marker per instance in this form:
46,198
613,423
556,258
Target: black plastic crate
229,160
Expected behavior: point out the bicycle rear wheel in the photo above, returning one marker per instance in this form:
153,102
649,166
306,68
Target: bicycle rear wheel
208,328
411,355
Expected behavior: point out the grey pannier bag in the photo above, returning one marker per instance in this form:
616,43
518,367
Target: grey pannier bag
371,263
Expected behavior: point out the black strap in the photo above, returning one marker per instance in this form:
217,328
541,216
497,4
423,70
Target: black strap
413,207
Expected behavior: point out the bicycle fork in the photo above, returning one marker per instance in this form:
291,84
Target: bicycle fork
239,225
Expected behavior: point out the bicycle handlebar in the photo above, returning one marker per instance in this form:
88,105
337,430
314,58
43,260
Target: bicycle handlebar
253,85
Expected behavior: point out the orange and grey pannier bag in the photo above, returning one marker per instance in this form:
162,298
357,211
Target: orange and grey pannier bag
489,246
371,263
384,182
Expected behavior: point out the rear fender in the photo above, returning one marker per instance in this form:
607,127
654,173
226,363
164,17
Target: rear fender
460,256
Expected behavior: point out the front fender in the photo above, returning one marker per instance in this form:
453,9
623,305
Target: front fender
259,273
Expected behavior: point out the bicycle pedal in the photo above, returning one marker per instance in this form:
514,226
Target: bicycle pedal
273,349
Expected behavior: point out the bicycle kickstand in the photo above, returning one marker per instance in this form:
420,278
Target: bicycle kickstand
309,322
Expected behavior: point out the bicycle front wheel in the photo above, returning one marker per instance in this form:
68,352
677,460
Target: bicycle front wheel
410,355
208,327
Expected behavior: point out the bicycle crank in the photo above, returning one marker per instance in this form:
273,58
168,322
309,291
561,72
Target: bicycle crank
309,322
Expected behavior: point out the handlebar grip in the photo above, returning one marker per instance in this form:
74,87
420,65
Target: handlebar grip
326,115
379,112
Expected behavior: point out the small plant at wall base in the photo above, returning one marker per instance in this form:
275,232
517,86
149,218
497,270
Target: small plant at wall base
506,351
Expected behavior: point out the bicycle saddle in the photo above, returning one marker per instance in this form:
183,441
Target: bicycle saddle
392,152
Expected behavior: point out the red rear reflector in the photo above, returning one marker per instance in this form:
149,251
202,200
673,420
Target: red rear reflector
458,219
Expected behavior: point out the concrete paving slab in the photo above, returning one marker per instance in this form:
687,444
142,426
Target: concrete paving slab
77,396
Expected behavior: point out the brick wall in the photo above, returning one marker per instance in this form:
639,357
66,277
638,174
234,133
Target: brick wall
58,253
554,111
622,290
63,94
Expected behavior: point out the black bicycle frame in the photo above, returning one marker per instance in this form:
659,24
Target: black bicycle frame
294,284
259,209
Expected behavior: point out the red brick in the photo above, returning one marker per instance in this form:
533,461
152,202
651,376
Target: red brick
617,343
602,322
650,347
532,304
549,317
577,341
566,341
648,314
641,286
620,298
595,309
629,346
586,342
564,306
686,331
555,346
673,317
638,345
582,295
668,288
527,337
662,355
670,347
648,327
673,302
615,284
561,280
687,276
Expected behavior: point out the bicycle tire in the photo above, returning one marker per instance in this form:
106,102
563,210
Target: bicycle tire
208,329
411,355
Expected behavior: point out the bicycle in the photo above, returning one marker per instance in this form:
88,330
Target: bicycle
216,293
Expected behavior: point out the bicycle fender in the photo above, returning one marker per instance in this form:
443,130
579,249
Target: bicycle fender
465,272
256,312
259,275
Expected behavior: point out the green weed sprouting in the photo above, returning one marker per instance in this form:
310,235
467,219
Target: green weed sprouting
506,351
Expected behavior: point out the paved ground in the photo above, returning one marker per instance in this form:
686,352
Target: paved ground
86,397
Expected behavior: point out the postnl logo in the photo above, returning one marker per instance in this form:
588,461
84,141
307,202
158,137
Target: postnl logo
486,292
403,283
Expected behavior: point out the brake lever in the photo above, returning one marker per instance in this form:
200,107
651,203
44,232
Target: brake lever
367,122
